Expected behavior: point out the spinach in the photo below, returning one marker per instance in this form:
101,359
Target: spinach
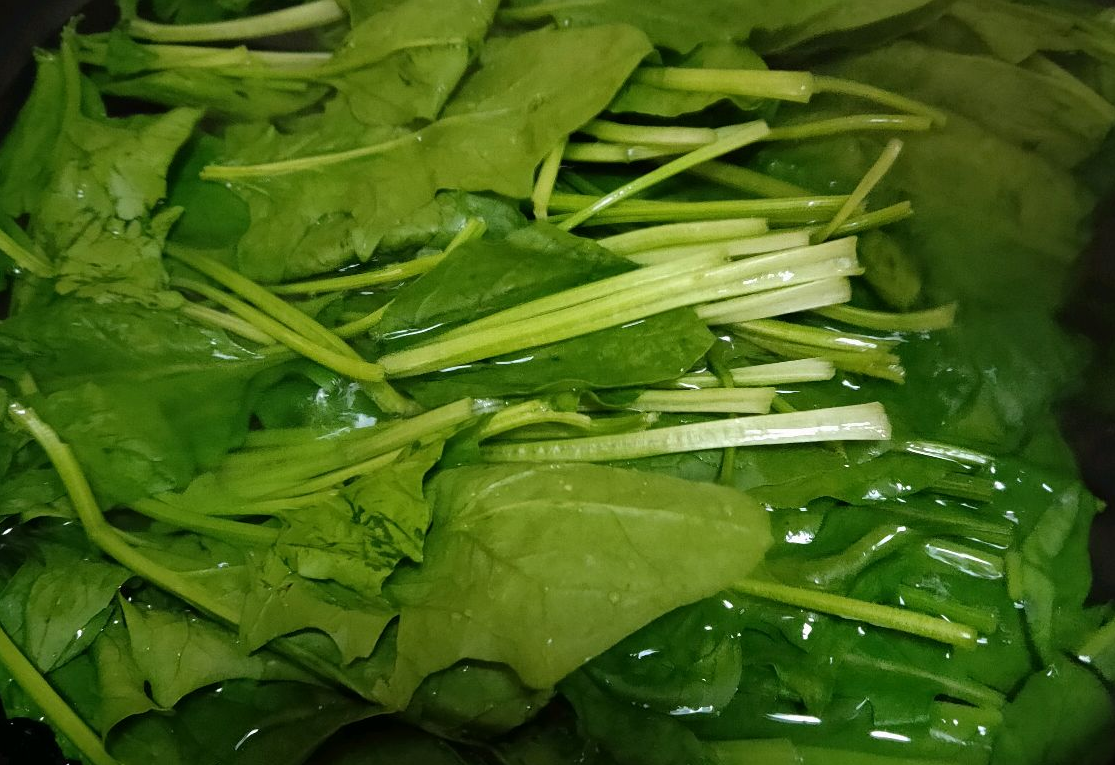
612,540
239,514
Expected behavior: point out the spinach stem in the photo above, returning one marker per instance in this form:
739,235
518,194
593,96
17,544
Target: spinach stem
784,210
792,299
708,400
733,248
753,83
986,621
25,257
217,528
100,532
569,314
818,337
396,272
61,715
864,422
547,178
778,373
260,297
962,690
617,153
342,363
854,123
317,13
949,452
531,413
887,617
226,321
870,180
301,164
644,135
747,180
929,320
698,232
731,139
837,86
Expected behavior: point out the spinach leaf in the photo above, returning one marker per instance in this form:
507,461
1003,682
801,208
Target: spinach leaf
402,62
472,701
777,26
620,549
1062,715
358,537
280,602
1030,109
26,154
627,731
179,653
46,614
147,397
239,723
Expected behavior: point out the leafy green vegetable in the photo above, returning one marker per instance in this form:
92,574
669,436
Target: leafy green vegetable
241,515
608,564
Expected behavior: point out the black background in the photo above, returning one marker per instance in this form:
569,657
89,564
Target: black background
1090,310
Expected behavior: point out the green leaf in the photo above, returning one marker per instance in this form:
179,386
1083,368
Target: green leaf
1030,109
531,91
402,63
121,690
279,602
620,549
629,732
27,153
358,537
97,218
240,723
470,701
58,601
178,653
1062,715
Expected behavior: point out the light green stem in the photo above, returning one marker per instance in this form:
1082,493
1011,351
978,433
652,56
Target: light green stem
343,364
855,123
751,83
709,400
887,617
747,180
317,13
217,528
547,177
32,261
870,180
731,140
396,272
214,318
617,153
260,297
835,85
789,210
700,232
930,320
778,373
643,135
866,422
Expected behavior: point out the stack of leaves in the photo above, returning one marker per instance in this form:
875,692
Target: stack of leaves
553,382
